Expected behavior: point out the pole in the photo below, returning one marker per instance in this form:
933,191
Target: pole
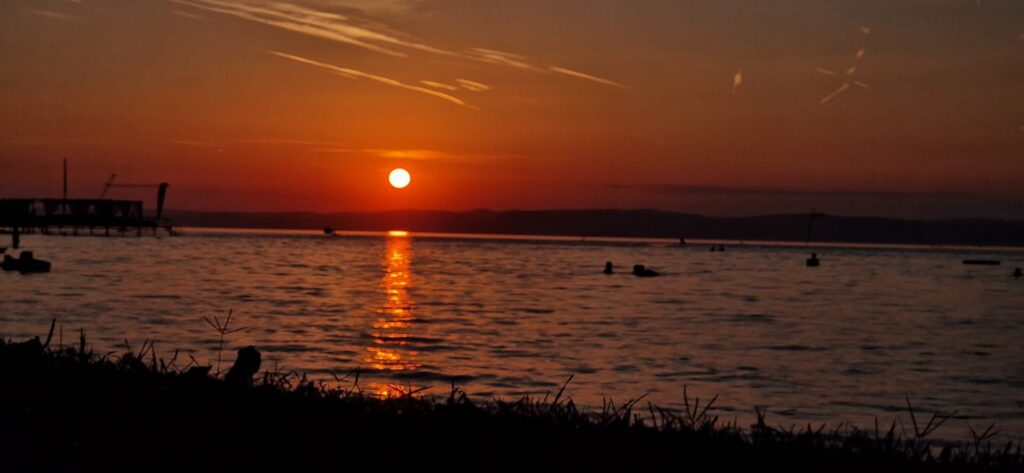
64,203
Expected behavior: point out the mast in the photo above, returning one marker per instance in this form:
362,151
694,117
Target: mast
64,202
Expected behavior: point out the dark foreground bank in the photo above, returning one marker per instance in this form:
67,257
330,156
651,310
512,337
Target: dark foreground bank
68,409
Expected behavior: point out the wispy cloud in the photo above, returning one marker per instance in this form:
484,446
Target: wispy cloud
384,152
473,86
376,6
585,76
191,16
202,144
199,144
286,142
352,73
308,21
54,15
519,61
415,154
438,85
373,37
502,58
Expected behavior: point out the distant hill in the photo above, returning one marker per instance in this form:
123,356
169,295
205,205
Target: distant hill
632,223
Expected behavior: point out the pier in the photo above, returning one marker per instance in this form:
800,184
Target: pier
80,217
64,216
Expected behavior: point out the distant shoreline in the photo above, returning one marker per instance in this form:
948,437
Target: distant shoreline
608,241
650,224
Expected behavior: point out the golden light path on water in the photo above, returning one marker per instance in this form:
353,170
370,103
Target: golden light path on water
390,350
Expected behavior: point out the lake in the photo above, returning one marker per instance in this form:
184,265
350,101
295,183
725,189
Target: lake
507,316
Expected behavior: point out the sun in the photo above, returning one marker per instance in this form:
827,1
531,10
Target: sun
399,178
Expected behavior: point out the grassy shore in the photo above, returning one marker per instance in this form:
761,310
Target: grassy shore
69,409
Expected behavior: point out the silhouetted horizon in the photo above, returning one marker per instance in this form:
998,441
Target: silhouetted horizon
641,223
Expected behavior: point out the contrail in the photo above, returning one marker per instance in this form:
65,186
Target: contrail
352,73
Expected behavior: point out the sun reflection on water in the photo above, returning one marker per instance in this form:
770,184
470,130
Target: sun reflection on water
391,350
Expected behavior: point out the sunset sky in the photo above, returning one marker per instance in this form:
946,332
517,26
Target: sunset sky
723,107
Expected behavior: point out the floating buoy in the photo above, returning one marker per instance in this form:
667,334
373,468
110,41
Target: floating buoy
813,261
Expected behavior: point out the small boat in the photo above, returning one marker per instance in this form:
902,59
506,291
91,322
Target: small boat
982,262
25,264
328,230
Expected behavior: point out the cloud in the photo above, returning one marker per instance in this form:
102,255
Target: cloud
353,74
196,143
384,152
308,21
191,16
473,86
376,6
438,85
199,144
518,61
581,75
286,142
502,58
360,33
54,15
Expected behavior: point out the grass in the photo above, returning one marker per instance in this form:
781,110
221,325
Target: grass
70,409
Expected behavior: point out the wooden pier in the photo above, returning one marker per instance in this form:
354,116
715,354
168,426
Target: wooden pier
79,217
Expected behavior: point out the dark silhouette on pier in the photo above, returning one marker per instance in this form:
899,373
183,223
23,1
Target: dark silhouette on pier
1017,273
607,267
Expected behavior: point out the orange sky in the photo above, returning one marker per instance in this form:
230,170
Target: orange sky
307,104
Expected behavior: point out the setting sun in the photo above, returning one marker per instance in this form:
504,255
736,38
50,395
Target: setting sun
399,178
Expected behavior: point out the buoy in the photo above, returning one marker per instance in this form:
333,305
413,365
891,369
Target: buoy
813,261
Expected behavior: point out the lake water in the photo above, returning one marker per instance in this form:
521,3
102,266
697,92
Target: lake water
506,316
